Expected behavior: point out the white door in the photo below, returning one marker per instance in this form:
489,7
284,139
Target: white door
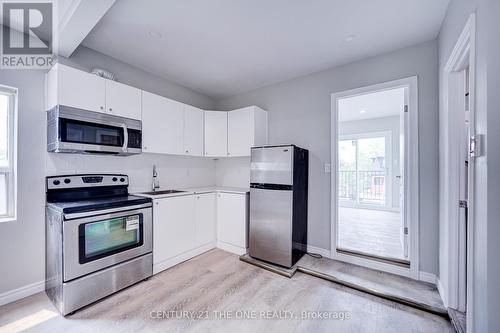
403,164
174,227
193,131
123,100
162,124
232,219
80,89
215,133
240,132
205,224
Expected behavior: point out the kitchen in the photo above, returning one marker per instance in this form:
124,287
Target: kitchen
186,125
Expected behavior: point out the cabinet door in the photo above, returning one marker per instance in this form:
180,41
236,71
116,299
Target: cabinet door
123,100
80,89
232,219
162,125
193,131
215,133
205,222
240,132
173,227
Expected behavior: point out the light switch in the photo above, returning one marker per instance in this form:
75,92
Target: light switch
328,168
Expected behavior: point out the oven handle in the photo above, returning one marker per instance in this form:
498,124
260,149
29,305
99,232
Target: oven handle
72,216
125,137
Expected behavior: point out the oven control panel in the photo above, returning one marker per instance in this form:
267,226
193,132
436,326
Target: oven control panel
78,181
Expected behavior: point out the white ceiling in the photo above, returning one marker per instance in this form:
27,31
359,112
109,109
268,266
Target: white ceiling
224,47
373,105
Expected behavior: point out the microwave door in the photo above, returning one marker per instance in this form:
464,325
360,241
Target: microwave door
91,137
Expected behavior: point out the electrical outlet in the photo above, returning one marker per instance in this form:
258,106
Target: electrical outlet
328,168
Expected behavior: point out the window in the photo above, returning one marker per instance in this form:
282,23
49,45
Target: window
8,124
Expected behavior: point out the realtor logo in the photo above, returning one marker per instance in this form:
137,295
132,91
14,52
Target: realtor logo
27,35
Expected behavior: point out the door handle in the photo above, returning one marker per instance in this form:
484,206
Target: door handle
125,137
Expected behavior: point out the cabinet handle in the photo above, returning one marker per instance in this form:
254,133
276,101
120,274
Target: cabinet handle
110,109
102,107
187,151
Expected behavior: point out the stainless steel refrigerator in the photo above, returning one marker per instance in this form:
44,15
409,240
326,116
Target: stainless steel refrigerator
278,204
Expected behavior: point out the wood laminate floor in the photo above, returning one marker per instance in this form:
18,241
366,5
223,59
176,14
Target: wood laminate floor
369,231
217,284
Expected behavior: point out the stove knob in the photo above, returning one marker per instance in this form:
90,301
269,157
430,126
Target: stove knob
56,182
115,179
122,179
67,181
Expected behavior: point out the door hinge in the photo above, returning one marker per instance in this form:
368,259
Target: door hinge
405,230
462,204
406,108
476,145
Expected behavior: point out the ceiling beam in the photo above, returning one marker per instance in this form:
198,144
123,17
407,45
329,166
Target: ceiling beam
79,19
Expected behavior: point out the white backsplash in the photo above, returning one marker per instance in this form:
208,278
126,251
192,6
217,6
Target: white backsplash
233,172
173,171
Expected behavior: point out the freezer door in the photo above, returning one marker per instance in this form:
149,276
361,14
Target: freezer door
272,165
271,226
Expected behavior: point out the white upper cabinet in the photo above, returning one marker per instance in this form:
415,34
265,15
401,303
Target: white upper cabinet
246,127
193,131
168,126
75,88
123,100
72,87
215,133
162,125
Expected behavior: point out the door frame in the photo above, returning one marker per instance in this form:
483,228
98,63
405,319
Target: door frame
412,175
451,285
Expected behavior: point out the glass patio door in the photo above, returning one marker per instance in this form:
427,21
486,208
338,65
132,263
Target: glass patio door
362,171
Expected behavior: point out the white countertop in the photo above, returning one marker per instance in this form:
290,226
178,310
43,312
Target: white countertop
195,190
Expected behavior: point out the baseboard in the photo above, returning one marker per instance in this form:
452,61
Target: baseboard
427,277
163,265
25,291
441,292
313,249
231,248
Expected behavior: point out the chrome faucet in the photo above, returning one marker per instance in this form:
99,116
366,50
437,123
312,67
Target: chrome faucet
156,182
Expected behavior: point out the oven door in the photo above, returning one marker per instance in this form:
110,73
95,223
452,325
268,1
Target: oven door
96,242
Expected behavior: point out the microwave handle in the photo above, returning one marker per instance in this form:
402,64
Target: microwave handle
125,138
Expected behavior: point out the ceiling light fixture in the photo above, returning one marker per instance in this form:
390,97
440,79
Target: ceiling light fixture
362,111
350,38
154,34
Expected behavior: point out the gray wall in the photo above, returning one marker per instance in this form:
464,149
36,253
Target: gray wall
486,226
299,113
22,242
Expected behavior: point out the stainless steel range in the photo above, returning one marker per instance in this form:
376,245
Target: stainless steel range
98,238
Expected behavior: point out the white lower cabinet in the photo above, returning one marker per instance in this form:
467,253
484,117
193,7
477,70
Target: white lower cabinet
232,217
186,226
173,228
205,220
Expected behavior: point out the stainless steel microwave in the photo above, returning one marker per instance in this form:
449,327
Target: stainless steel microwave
72,130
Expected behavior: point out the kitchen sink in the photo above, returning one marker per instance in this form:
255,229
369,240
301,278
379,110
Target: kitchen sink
163,192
